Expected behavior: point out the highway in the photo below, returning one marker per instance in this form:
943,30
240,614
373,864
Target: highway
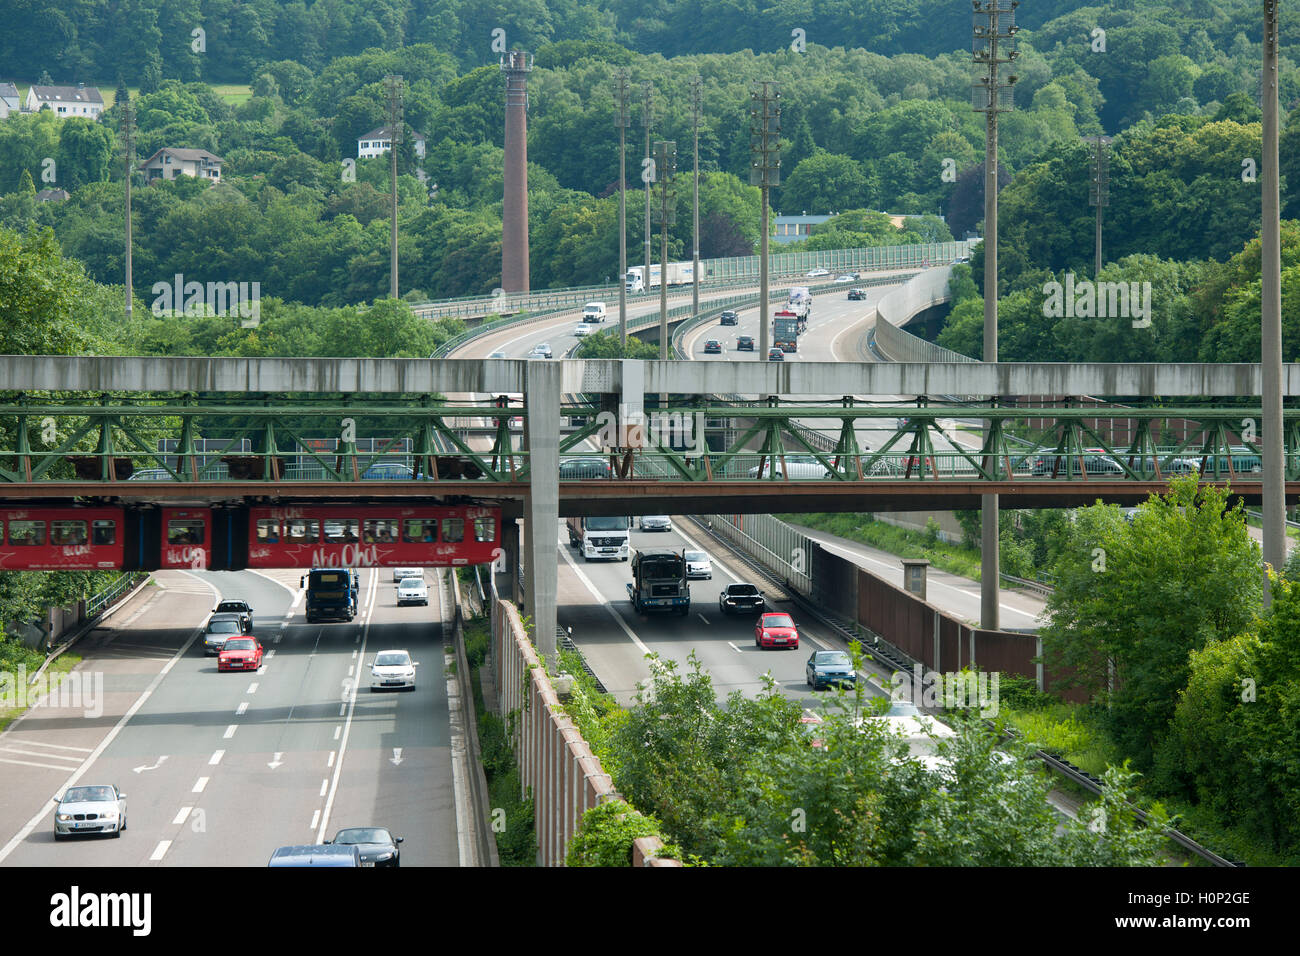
614,639
219,769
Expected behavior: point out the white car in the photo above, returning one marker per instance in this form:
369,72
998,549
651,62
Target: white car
412,591
401,574
100,809
818,273
698,565
582,331
393,670
846,278
656,523
542,350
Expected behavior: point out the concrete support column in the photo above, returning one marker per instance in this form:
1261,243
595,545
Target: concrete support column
542,398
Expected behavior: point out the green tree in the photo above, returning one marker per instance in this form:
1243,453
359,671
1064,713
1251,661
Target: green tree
825,182
1142,595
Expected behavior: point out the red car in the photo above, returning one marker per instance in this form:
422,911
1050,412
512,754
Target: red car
776,630
240,654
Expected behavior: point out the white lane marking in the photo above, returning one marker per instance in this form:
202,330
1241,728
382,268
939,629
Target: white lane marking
352,700
354,654
276,640
315,815
31,763
241,709
290,589
350,669
609,606
702,617
142,769
330,763
160,850
40,753
42,815
343,709
337,732
275,761
252,688
270,654
230,732
216,758
734,647
324,786
53,747
181,816
200,784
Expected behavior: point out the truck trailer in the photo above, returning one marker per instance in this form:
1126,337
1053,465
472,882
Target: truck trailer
679,273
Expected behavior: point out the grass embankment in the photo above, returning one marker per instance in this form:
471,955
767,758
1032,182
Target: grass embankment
1078,733
512,815
15,655
864,529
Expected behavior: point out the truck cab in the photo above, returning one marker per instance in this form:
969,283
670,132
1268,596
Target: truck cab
601,537
331,594
659,581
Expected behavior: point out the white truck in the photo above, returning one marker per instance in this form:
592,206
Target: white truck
679,273
601,537
593,312
799,302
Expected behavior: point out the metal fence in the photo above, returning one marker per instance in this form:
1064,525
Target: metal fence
106,597
775,545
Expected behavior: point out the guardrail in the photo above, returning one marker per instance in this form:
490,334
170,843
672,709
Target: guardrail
712,273
103,599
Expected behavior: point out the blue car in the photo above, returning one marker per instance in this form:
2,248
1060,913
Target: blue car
827,668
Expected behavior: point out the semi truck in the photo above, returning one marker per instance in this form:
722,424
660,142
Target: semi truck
800,303
679,273
659,581
785,331
601,537
331,594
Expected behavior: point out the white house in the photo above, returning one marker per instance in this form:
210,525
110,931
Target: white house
168,163
64,101
377,142
9,102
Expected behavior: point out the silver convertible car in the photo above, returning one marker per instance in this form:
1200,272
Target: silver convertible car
90,810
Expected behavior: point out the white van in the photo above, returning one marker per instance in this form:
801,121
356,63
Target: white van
593,312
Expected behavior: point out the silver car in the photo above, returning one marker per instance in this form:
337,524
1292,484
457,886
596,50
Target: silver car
221,628
99,809
393,670
656,523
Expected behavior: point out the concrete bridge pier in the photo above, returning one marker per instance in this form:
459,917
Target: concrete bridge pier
542,505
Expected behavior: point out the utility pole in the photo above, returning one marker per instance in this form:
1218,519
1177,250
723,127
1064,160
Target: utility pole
396,120
665,166
1274,499
764,172
697,83
1099,190
994,21
647,119
128,131
620,117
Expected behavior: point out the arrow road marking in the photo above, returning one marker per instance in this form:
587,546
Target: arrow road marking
154,767
397,757
276,761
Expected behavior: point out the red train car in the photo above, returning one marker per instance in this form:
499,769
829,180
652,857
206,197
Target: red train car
372,535
66,538
185,538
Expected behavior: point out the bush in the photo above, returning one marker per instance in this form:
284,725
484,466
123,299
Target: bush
606,834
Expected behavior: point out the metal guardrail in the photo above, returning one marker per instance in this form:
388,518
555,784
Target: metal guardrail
1040,586
103,599
566,643
712,273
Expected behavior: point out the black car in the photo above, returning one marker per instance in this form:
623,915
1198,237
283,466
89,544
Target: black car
378,846
241,608
712,347
744,343
826,668
730,318
585,468
741,597
856,295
